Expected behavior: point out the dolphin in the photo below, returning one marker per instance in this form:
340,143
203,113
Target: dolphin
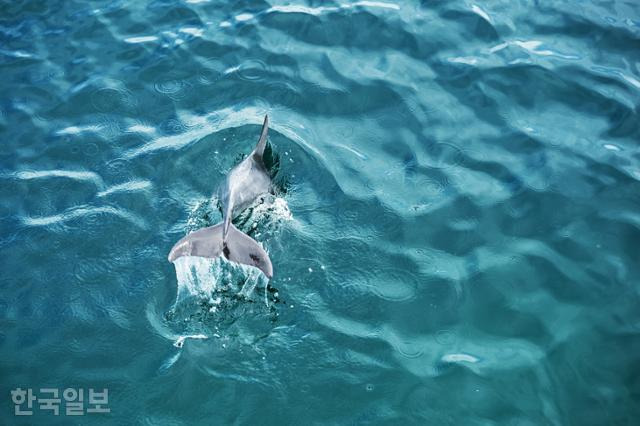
244,183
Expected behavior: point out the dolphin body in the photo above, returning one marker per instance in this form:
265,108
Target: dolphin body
243,185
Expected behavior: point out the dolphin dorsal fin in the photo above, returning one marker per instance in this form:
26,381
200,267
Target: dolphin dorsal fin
259,151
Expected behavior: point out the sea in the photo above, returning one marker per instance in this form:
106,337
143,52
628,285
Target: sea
454,221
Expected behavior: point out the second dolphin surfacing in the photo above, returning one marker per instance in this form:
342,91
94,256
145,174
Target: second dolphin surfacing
243,185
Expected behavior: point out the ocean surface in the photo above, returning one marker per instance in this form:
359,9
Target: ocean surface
454,229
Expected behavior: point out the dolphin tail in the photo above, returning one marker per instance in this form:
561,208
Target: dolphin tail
239,247
262,142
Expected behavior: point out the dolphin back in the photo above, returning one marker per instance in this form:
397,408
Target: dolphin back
238,247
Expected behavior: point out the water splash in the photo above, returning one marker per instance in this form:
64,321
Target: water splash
217,297
205,278
265,216
180,340
220,299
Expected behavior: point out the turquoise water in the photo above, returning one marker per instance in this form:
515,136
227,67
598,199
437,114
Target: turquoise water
455,231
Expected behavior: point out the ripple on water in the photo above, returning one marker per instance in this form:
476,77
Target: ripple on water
409,349
90,149
442,155
251,70
211,71
394,284
538,180
388,223
120,168
446,337
93,218
442,293
174,88
169,208
109,127
347,277
108,99
173,126
346,287
34,239
418,194
285,93
91,270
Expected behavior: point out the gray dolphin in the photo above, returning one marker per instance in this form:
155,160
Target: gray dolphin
243,185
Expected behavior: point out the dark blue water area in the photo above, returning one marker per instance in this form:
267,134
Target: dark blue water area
454,228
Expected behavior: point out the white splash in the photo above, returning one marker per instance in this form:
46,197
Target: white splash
195,275
180,340
201,277
275,208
